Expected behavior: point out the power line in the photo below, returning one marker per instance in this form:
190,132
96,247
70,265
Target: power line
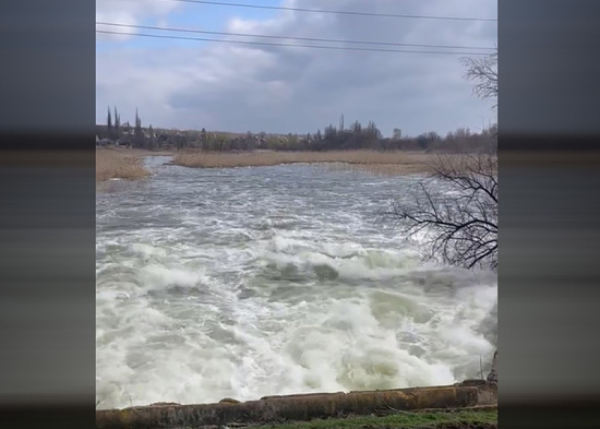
308,39
342,48
336,12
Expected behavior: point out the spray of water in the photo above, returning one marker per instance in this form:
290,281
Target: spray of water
253,282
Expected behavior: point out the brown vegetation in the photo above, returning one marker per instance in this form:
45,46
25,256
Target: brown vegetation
113,163
396,162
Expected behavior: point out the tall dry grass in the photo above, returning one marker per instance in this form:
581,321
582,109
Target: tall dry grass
114,163
369,160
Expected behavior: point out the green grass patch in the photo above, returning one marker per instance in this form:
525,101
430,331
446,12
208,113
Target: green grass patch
405,420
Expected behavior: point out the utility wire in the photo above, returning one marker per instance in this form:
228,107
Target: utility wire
336,12
342,48
308,39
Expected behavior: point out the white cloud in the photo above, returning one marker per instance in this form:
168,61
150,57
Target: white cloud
239,88
130,12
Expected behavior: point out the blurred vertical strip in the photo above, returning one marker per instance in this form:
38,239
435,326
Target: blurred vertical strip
47,214
549,154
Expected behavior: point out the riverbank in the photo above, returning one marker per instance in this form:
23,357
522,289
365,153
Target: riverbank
486,418
385,163
121,163
470,404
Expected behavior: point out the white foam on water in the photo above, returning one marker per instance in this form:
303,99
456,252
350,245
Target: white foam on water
218,306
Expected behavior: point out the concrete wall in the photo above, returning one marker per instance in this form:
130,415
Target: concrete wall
299,407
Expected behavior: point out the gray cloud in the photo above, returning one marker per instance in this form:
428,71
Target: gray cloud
274,89
130,12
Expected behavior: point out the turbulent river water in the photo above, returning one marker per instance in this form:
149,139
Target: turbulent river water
273,280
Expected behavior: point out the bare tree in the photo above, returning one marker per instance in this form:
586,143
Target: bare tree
456,209
459,212
109,124
484,72
117,124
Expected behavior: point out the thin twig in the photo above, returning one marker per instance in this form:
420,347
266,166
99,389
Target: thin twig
481,367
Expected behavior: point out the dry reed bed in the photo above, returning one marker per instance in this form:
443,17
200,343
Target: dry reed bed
119,164
372,161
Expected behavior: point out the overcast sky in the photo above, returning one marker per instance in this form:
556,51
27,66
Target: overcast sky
229,87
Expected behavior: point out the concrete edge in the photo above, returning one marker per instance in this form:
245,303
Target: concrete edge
471,394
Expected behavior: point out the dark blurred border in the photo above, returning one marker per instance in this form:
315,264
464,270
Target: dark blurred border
47,214
549,124
56,141
549,153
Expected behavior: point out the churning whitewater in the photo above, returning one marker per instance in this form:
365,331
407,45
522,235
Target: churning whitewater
247,282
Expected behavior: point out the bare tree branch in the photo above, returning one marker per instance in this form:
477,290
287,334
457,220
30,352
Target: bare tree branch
483,71
456,208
